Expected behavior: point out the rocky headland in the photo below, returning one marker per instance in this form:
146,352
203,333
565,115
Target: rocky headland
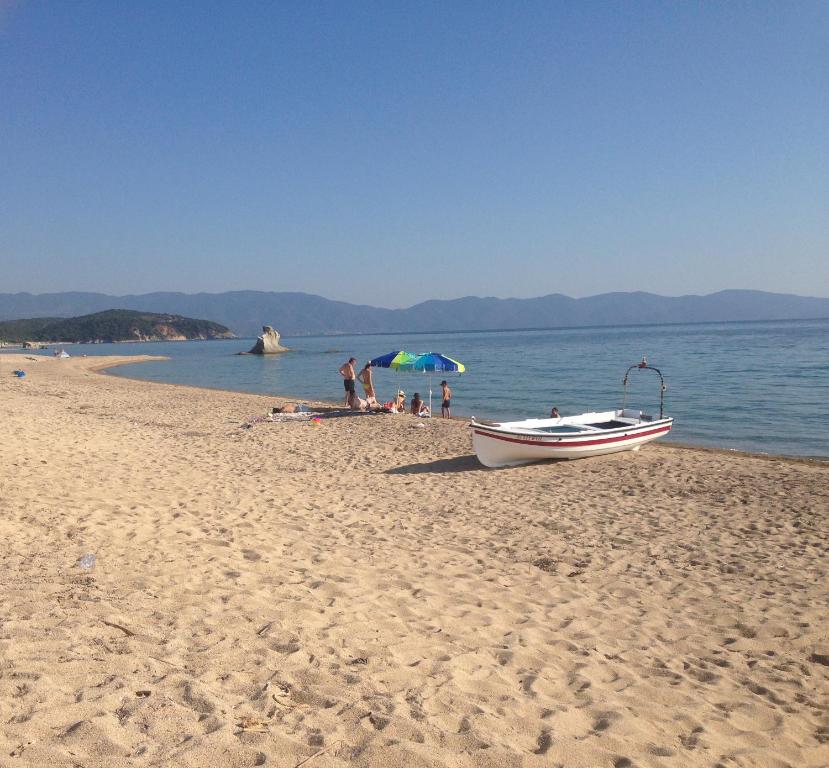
113,325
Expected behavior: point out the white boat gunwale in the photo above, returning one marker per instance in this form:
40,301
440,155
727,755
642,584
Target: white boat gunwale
512,429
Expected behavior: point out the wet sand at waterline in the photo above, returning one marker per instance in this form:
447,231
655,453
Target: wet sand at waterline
362,592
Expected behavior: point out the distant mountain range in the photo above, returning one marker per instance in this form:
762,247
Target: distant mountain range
112,325
298,314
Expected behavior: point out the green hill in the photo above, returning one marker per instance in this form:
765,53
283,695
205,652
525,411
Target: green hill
112,325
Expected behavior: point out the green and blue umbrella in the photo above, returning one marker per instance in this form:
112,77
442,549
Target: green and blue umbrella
431,362
392,359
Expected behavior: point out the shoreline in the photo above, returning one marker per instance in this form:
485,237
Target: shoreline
667,444
103,369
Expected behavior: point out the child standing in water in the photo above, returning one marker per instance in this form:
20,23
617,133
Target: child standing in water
447,401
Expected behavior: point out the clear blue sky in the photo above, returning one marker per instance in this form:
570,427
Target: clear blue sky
386,152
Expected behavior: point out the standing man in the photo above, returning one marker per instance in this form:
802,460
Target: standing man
347,372
447,401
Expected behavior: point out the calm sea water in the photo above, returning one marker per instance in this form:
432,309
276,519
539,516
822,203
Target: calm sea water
752,386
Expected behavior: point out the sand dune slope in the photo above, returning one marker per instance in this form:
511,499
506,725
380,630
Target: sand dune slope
362,592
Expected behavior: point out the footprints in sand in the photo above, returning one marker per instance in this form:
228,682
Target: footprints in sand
690,740
544,743
602,723
698,670
660,751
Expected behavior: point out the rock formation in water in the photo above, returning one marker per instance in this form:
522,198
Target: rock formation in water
267,343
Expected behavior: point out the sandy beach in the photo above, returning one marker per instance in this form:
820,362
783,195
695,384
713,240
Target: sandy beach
362,592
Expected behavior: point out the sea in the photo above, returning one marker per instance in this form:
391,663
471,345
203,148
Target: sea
751,386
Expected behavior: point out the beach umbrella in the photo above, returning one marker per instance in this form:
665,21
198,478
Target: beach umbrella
392,359
431,363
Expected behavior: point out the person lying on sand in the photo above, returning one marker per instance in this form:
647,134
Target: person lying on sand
358,404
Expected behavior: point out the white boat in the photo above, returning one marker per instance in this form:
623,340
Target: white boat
509,443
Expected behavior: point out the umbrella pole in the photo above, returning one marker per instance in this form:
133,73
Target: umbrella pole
430,396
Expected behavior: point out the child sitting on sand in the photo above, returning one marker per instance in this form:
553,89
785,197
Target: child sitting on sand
419,408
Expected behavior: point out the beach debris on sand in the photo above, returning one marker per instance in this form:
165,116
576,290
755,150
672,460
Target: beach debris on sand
335,746
281,417
820,656
251,725
127,632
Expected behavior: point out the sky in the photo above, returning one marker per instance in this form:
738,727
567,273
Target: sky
389,152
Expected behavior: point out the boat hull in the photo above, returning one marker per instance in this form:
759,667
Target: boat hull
496,446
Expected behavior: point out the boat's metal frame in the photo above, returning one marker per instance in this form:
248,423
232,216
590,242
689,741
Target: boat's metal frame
662,386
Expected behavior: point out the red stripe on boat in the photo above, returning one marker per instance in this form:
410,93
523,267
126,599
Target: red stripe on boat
559,444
